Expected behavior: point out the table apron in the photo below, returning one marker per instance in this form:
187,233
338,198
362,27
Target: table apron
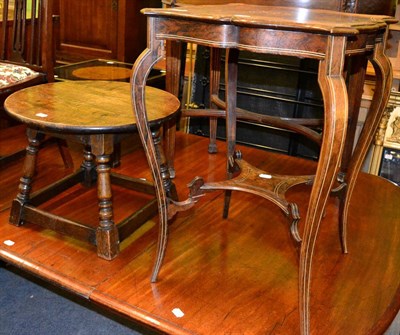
259,40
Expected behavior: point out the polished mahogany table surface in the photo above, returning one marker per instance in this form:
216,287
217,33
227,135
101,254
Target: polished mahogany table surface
223,276
330,37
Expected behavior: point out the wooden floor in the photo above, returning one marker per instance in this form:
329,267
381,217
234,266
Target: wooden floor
233,276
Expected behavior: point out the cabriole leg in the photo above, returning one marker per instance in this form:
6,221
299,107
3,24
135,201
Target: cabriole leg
333,88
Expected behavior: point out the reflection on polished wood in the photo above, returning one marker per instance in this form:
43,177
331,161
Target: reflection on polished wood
361,6
327,36
102,73
237,275
94,69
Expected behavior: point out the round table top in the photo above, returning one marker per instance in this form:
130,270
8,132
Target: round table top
88,106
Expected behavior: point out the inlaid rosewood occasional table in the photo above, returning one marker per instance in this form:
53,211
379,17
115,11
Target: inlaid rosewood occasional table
330,38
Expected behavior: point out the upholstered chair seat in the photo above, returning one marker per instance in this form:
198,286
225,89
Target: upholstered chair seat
11,74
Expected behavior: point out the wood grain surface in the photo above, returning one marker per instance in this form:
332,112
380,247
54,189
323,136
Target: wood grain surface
228,276
86,107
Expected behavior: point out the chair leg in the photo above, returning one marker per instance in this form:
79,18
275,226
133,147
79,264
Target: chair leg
25,186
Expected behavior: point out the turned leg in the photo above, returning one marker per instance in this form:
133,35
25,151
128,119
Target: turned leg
383,74
334,93
25,186
107,239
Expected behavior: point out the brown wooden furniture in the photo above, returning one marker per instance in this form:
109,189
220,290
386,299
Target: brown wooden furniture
380,7
108,29
300,125
327,36
26,57
355,70
103,69
97,114
27,39
228,277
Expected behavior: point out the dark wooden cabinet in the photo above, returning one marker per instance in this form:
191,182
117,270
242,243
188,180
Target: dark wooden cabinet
108,29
